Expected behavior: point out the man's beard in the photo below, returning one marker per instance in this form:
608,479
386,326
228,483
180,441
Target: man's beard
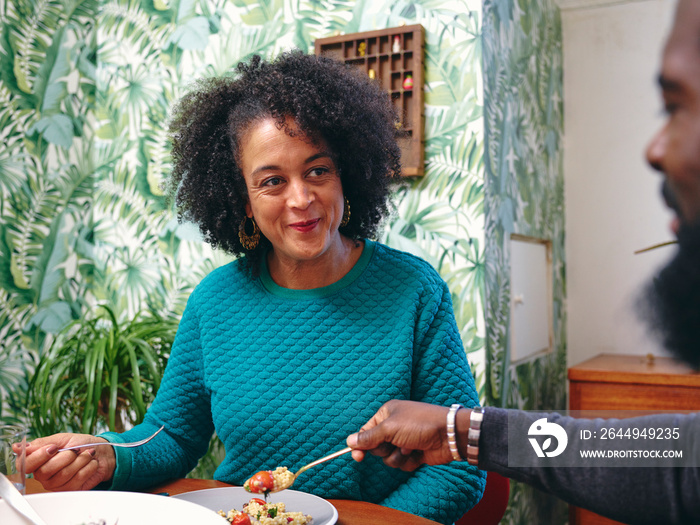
670,303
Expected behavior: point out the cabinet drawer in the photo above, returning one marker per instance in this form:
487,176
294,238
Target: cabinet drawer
631,396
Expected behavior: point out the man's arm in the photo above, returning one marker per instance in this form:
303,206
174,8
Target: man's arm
630,494
407,434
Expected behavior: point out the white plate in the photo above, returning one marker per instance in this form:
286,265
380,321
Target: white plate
124,508
227,498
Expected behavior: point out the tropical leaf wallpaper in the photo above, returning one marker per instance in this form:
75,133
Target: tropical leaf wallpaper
85,88
47,174
524,194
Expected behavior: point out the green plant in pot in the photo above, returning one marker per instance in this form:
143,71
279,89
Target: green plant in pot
100,373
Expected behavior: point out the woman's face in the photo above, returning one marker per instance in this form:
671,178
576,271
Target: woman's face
294,191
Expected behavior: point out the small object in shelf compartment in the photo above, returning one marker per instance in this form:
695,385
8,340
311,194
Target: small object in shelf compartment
390,55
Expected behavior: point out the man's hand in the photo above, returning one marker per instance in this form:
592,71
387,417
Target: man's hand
70,470
406,434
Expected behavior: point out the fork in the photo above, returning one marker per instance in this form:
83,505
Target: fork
290,480
127,445
322,460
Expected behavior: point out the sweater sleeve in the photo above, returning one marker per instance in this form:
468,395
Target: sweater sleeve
182,405
643,495
441,375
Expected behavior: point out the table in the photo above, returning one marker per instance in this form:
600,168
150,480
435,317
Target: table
349,512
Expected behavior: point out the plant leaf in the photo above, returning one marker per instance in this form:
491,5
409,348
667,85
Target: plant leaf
194,34
56,129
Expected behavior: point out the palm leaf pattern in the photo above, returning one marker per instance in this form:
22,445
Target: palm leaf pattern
523,194
85,87
84,149
46,86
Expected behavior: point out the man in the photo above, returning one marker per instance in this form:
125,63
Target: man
674,297
408,434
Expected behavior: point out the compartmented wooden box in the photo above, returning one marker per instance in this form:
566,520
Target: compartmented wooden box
394,58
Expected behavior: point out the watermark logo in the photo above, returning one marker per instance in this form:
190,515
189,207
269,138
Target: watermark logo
603,438
542,427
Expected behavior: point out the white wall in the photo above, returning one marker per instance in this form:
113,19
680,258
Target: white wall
612,52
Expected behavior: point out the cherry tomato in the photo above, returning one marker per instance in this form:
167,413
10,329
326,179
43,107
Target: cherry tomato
261,482
258,501
241,519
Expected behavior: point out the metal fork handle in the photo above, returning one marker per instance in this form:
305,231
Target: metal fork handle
323,459
126,445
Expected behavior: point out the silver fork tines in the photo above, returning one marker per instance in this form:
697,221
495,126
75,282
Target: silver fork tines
127,445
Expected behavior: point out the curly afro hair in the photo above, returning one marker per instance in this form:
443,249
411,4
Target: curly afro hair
326,99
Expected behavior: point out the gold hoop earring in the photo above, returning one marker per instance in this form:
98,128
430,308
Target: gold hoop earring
346,214
249,242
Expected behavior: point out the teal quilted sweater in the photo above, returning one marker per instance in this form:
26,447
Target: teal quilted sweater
284,376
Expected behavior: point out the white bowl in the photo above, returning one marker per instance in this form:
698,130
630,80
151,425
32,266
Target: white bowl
121,508
225,498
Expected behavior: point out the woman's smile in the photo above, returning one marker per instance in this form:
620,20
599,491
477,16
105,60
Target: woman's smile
296,198
305,226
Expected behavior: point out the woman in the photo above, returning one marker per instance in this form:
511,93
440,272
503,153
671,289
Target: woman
293,346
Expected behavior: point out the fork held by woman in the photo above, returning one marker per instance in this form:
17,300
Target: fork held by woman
126,445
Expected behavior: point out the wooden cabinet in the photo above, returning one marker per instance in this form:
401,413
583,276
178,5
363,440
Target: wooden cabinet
394,58
629,382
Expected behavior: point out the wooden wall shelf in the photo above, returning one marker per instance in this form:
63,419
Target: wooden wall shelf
394,58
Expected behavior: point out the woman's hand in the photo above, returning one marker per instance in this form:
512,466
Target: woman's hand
80,469
406,434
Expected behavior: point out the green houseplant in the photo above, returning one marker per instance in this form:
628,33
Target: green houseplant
100,373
